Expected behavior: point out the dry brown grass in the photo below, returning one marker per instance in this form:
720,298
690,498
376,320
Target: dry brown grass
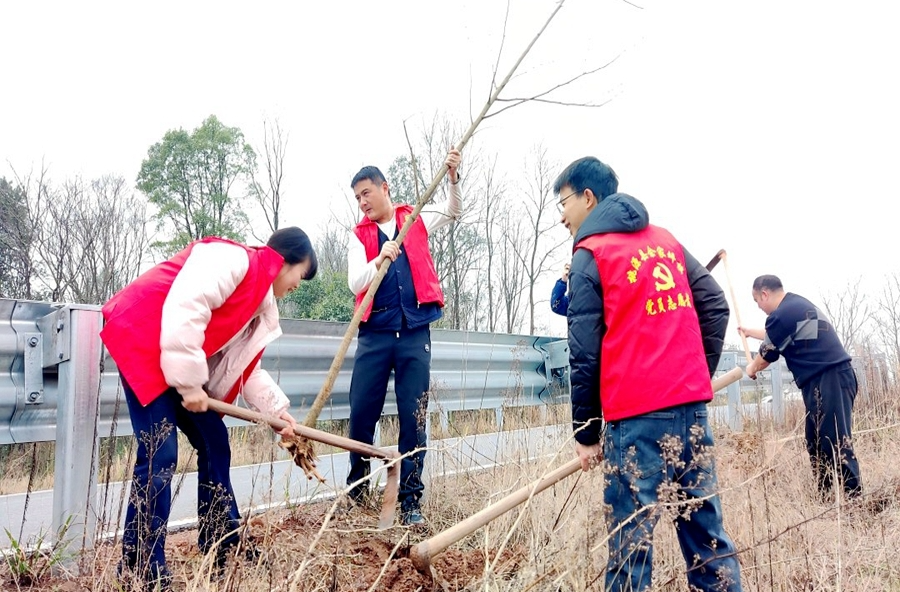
788,540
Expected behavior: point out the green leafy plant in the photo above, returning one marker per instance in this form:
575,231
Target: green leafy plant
30,564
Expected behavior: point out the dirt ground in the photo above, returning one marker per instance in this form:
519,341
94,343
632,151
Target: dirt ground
350,555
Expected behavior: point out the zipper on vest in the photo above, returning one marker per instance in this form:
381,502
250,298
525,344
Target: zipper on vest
398,334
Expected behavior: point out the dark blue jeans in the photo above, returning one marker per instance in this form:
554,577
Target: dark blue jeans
661,465
408,354
150,501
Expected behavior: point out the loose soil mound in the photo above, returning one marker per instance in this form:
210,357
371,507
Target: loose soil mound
348,556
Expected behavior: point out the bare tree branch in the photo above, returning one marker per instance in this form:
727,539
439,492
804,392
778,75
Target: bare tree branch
552,102
887,317
269,195
500,49
848,311
539,96
325,391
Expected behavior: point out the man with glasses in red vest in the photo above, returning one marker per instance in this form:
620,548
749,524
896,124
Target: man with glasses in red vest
646,330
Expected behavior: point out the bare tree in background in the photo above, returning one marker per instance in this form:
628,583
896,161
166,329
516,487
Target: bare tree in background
110,235
541,239
510,272
331,250
488,216
268,191
19,272
887,317
57,212
456,248
848,311
87,241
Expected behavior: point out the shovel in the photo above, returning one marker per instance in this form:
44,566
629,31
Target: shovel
391,489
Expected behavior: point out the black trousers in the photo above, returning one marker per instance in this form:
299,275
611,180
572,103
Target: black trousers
829,401
408,354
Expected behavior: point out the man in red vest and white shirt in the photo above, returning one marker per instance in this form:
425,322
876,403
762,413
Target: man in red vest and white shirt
394,333
646,330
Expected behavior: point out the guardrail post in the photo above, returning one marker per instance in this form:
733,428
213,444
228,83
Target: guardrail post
777,392
77,440
734,415
862,376
556,361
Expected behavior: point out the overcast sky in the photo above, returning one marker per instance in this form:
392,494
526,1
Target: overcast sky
768,128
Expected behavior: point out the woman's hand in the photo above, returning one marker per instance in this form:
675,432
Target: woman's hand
288,431
194,399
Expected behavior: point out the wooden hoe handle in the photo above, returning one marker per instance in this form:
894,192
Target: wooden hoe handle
422,553
391,488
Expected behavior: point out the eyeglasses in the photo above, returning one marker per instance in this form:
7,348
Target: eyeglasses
559,204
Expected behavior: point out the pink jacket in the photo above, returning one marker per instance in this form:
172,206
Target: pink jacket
202,318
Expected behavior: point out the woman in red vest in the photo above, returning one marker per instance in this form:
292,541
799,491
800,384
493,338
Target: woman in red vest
191,328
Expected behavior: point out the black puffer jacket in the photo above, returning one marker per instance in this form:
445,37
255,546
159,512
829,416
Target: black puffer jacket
621,213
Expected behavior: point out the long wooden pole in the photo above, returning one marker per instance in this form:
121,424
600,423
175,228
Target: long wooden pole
737,314
733,375
737,372
422,553
316,408
301,430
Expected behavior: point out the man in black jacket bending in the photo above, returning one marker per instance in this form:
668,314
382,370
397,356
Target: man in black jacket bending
797,330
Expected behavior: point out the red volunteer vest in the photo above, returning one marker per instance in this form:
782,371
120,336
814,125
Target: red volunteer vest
134,318
421,265
652,354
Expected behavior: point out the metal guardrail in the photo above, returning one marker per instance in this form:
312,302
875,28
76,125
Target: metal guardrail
60,386
470,370
775,382
57,384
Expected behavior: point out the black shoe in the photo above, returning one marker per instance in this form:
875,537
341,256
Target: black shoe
163,583
249,552
361,496
411,513
156,578
358,493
